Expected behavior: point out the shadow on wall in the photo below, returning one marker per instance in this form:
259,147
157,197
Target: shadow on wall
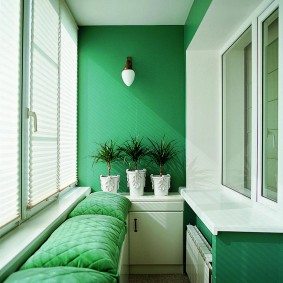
154,105
199,178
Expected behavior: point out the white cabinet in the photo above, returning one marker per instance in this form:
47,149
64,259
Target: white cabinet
156,234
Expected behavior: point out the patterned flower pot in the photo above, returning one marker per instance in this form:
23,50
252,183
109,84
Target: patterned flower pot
110,183
160,184
136,182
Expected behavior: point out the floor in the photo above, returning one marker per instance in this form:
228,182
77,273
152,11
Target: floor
168,278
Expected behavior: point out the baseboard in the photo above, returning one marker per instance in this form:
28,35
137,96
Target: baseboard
156,269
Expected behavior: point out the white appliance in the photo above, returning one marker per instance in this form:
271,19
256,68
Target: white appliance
198,257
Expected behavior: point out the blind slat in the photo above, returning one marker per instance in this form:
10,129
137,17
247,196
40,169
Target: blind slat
52,150
44,86
10,78
68,100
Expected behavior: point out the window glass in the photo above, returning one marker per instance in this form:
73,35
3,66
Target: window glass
270,107
237,109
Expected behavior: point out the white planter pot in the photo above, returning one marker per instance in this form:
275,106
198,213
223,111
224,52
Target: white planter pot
110,183
160,184
136,182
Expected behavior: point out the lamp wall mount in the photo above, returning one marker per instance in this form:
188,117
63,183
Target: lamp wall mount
128,74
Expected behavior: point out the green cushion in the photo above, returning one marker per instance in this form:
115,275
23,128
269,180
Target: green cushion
60,275
104,203
88,241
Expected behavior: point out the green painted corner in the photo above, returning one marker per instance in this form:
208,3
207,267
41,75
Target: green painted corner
191,218
194,19
214,251
247,257
152,107
204,230
189,215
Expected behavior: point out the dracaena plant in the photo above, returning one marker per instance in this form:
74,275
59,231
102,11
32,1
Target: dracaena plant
108,153
161,152
133,150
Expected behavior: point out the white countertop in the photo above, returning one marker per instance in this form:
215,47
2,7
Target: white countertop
221,210
150,197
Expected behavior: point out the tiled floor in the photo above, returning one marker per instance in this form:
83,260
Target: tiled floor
168,278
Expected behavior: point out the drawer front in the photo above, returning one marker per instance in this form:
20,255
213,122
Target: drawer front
157,206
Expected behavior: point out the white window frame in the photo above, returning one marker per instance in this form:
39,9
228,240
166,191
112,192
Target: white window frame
265,201
255,20
241,31
26,213
250,22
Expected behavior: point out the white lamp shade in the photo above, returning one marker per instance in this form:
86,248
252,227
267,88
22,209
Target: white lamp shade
128,76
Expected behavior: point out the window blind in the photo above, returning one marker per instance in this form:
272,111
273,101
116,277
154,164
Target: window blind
44,87
10,90
68,100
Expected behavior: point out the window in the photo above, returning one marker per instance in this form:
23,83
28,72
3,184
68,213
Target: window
10,113
237,109
270,107
252,141
68,101
37,144
43,101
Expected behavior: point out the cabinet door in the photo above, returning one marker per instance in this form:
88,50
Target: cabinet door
156,237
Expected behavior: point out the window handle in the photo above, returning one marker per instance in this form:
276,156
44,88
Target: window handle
270,133
273,140
33,115
136,230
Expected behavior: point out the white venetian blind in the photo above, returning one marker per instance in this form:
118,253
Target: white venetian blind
68,100
44,87
10,90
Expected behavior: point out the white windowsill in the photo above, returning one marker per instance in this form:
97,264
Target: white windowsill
221,210
22,241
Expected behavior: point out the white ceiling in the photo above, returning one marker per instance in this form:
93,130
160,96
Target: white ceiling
130,12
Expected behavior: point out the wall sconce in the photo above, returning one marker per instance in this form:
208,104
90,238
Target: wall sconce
128,74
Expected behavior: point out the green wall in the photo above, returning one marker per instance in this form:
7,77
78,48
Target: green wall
152,107
194,19
247,258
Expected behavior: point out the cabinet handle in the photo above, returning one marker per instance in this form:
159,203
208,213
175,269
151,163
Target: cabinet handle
135,225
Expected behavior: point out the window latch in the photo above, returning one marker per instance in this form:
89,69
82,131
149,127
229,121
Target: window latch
33,115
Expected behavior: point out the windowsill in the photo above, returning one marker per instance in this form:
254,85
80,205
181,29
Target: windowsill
21,242
221,210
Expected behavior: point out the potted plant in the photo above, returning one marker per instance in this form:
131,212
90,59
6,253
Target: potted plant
162,152
108,153
132,152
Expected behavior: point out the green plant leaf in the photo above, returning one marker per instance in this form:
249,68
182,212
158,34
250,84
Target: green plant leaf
161,152
108,153
133,150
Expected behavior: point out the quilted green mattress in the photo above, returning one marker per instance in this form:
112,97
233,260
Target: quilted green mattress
104,203
60,275
86,241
